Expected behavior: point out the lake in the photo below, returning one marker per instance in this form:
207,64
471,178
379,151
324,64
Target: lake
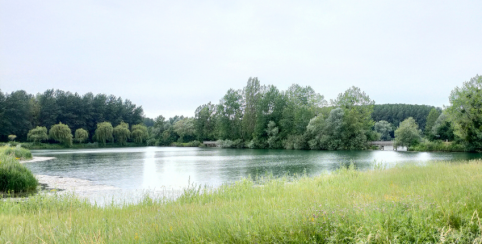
153,168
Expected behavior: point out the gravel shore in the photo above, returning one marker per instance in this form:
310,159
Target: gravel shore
64,184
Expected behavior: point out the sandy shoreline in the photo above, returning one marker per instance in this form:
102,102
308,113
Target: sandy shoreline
64,184
36,159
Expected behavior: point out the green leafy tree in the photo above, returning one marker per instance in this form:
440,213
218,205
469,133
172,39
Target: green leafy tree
302,104
442,128
204,122
139,133
103,133
121,133
229,113
12,137
383,128
158,128
273,135
357,121
251,95
61,133
38,134
269,108
431,118
407,134
315,130
185,128
81,135
331,137
465,112
16,115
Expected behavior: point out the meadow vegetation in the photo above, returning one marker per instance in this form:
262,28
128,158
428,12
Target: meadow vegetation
435,203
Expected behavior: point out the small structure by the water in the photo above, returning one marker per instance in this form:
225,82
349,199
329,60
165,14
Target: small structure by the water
387,145
210,143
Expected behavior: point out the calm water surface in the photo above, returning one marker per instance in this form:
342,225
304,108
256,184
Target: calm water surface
170,167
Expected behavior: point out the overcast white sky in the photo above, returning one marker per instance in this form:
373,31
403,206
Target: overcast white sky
172,56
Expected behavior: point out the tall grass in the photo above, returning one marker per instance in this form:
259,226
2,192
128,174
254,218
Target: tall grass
17,152
440,202
14,177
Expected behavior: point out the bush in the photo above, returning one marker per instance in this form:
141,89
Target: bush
297,142
91,145
430,146
14,176
224,143
186,144
151,142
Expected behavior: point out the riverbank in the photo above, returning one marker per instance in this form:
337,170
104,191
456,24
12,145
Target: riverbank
440,202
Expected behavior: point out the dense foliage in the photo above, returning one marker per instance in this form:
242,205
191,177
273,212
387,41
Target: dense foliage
21,112
260,116
465,111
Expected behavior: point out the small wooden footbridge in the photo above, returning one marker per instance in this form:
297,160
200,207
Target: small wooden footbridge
210,143
387,145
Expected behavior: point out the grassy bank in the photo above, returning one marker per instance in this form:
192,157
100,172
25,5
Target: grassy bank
440,202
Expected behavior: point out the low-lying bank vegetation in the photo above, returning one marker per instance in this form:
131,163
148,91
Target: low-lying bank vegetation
14,177
34,146
437,146
440,202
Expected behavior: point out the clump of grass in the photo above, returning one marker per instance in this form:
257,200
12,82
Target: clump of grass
17,152
440,202
14,177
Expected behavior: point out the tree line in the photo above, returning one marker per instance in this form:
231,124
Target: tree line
259,116
104,133
21,112
262,116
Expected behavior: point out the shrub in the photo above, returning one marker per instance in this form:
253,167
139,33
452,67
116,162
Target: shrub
14,176
224,143
430,146
91,145
187,144
151,142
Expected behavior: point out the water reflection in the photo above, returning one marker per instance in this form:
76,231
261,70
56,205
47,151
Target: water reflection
150,175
